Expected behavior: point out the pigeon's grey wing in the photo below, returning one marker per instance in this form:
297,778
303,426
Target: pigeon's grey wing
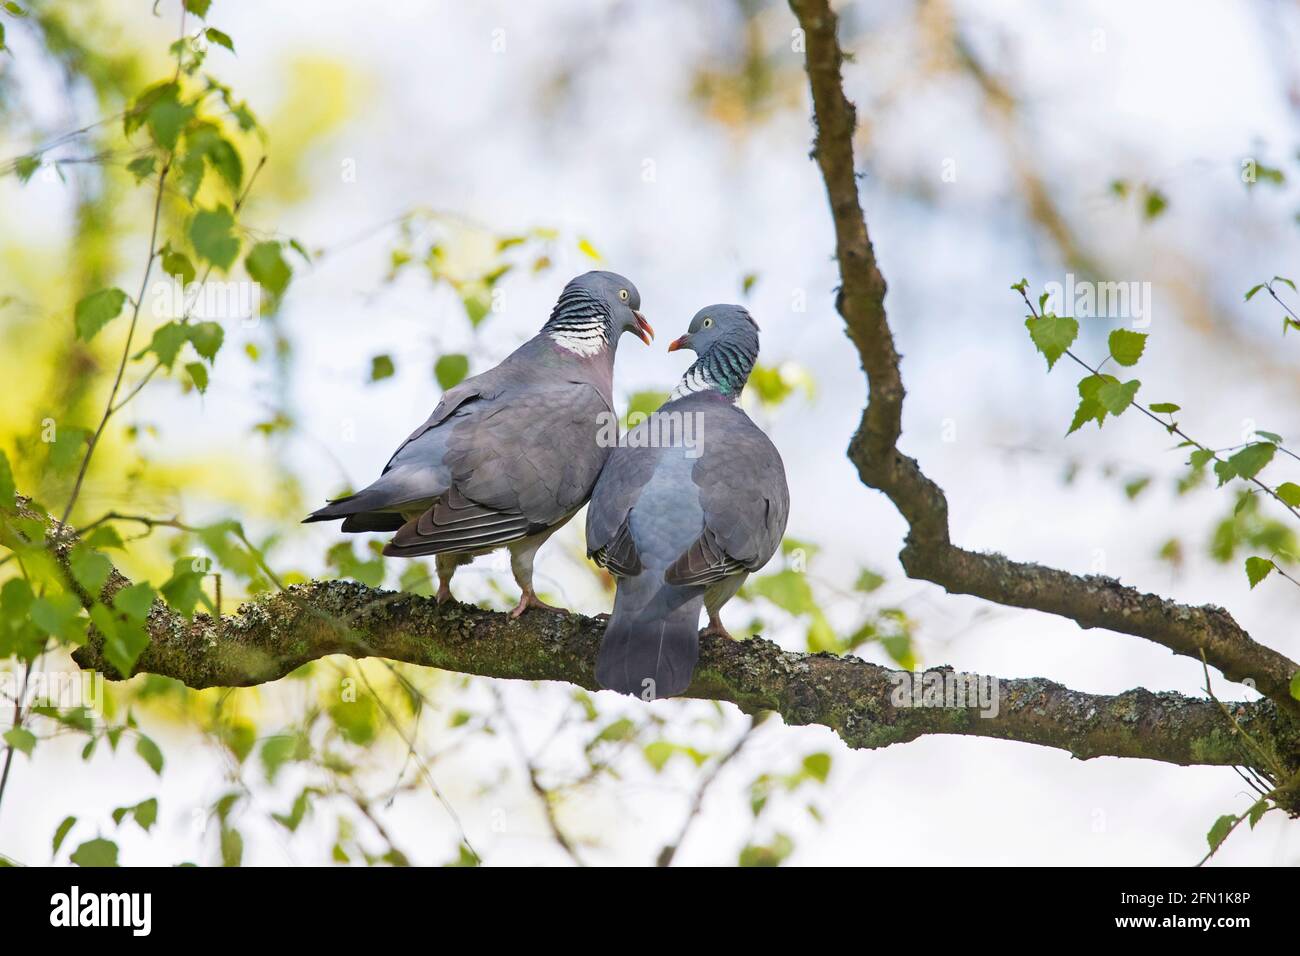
535,452
746,502
610,542
416,474
519,463
456,400
456,524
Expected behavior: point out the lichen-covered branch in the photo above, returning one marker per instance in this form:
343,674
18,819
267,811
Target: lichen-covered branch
928,551
272,635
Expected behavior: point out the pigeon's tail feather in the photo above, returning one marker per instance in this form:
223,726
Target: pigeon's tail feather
650,646
371,521
377,507
339,508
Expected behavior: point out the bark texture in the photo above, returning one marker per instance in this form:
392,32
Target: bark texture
271,636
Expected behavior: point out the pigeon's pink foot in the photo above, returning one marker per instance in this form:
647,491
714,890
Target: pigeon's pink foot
444,594
603,617
529,599
715,629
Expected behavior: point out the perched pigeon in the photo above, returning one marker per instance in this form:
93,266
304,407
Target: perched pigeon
691,502
510,455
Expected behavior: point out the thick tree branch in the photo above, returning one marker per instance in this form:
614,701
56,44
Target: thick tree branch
271,636
928,552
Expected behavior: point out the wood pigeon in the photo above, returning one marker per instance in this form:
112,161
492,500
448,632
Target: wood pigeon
510,455
692,501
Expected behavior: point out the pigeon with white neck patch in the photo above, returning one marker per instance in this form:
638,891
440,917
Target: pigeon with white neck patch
681,524
510,455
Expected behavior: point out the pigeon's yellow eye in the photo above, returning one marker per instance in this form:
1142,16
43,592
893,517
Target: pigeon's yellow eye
706,323
622,294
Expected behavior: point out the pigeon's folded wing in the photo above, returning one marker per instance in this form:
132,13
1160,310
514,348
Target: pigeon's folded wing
746,502
520,461
609,538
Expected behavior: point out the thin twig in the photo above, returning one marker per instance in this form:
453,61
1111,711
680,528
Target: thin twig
669,851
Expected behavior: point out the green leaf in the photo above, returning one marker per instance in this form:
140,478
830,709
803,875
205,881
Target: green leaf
90,568
280,750
1052,335
61,833
476,304
167,341
135,601
146,813
206,142
198,7
1090,408
381,367
265,262
1257,810
1126,347
96,310
1289,492
1246,463
1116,397
450,370
1295,685
1136,486
149,753
124,640
26,166
657,754
767,856
291,820
207,338
166,116
141,167
8,492
59,615
817,766
220,38
786,589
1219,832
178,264
198,376
1253,289
184,589
1165,408
1155,204
232,847
97,852
105,536
212,233
368,572
190,170
415,579
868,581
20,739
67,446
588,250
1257,569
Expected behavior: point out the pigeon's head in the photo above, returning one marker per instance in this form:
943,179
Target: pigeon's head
604,295
725,337
731,325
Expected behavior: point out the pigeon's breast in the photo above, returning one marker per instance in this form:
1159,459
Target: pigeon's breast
667,517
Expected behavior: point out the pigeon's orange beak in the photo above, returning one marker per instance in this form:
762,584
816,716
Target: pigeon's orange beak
679,343
644,330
